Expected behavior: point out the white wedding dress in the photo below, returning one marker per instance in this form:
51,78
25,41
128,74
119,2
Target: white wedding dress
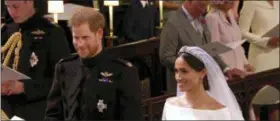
177,108
172,111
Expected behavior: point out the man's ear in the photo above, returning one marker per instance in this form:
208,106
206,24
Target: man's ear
99,33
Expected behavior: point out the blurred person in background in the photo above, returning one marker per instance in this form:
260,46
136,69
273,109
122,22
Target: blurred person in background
224,28
40,44
260,17
256,19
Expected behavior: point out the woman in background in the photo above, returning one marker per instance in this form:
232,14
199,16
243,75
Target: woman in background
235,9
221,22
260,17
256,19
224,28
195,71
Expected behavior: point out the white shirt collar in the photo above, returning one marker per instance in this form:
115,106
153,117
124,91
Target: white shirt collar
195,22
144,3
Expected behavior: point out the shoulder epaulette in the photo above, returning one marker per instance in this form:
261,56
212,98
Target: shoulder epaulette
124,62
55,24
69,58
3,25
49,23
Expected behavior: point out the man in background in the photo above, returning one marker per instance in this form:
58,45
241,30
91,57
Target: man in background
184,27
39,46
140,20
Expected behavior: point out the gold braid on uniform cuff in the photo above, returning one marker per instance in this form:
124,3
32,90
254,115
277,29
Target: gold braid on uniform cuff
2,25
13,44
4,116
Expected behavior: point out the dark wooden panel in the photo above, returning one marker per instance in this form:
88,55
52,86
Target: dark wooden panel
140,48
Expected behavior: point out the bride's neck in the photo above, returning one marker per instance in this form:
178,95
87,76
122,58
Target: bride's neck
196,95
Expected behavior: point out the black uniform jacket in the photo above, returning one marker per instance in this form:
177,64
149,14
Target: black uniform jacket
98,88
43,45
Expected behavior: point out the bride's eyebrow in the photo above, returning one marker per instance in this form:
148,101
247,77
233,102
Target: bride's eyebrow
181,69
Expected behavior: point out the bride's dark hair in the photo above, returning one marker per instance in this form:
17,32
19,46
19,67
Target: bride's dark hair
196,65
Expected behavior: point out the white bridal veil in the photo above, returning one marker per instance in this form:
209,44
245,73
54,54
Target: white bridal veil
219,88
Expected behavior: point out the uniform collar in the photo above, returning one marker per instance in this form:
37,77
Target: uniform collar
29,23
89,62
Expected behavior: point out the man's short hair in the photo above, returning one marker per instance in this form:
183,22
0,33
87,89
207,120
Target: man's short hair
92,17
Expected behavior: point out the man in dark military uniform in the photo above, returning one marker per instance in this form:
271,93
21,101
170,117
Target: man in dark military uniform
31,45
91,85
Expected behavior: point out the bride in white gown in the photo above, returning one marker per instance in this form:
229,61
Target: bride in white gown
203,93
